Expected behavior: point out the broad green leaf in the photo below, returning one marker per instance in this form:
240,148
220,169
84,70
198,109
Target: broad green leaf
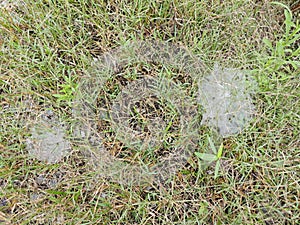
206,157
280,49
288,22
220,151
217,169
60,96
212,145
268,43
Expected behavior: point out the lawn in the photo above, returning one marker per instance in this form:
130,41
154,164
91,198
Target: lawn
70,66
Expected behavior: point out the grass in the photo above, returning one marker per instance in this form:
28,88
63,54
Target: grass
46,49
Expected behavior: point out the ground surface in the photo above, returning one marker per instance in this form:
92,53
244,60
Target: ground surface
47,48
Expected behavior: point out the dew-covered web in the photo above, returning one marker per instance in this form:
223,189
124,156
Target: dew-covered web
225,95
118,111
48,141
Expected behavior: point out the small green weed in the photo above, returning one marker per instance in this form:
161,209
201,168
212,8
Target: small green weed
67,91
209,158
285,52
